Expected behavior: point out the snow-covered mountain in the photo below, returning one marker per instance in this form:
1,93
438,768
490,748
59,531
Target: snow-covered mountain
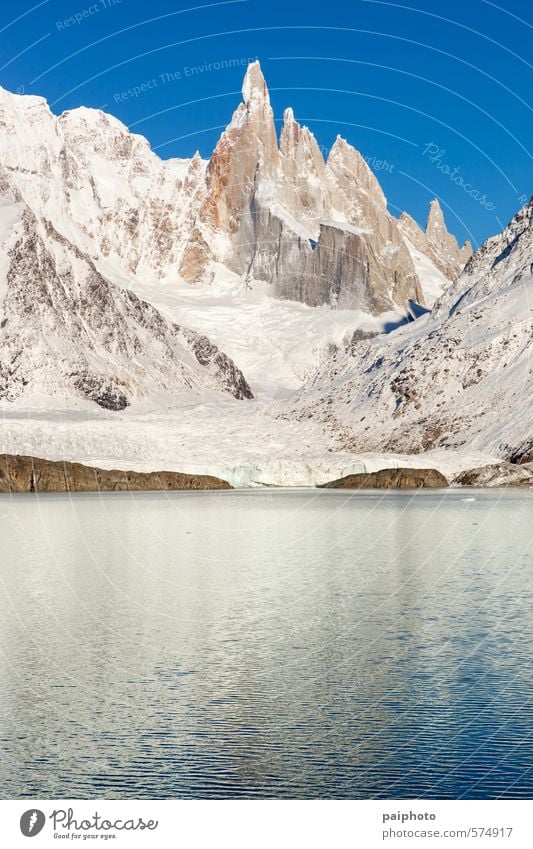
460,377
66,332
100,186
248,302
96,203
82,198
317,231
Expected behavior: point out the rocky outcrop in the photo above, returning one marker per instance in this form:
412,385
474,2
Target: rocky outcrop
319,232
31,474
436,242
523,454
499,474
391,479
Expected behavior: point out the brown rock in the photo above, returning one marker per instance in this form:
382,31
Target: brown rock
31,474
498,474
391,479
319,232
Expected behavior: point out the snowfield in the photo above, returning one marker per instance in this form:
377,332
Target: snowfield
278,345
241,443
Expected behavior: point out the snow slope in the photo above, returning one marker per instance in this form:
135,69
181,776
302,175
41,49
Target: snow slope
432,281
460,377
69,336
278,344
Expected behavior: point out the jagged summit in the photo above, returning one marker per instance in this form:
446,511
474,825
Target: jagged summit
288,115
317,232
435,242
254,84
345,159
435,224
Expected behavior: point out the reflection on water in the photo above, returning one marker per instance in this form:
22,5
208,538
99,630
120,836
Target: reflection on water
266,645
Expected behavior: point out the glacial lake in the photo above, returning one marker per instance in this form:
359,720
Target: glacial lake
268,644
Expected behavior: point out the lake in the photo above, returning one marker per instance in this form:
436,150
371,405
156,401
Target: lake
267,644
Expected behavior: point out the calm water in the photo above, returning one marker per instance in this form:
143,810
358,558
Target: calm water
296,644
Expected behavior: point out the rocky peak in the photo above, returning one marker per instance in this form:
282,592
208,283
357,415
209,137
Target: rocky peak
249,145
254,118
254,87
290,134
413,231
297,142
349,167
444,242
302,187
435,224
436,242
284,215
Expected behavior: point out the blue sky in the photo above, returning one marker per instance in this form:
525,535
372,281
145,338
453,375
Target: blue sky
436,95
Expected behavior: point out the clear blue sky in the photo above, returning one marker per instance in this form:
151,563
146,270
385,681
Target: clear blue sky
392,78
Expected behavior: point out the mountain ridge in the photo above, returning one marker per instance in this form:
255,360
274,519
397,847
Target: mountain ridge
459,376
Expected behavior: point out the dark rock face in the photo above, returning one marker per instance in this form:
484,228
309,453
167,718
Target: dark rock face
107,396
30,474
390,479
341,270
522,455
499,474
